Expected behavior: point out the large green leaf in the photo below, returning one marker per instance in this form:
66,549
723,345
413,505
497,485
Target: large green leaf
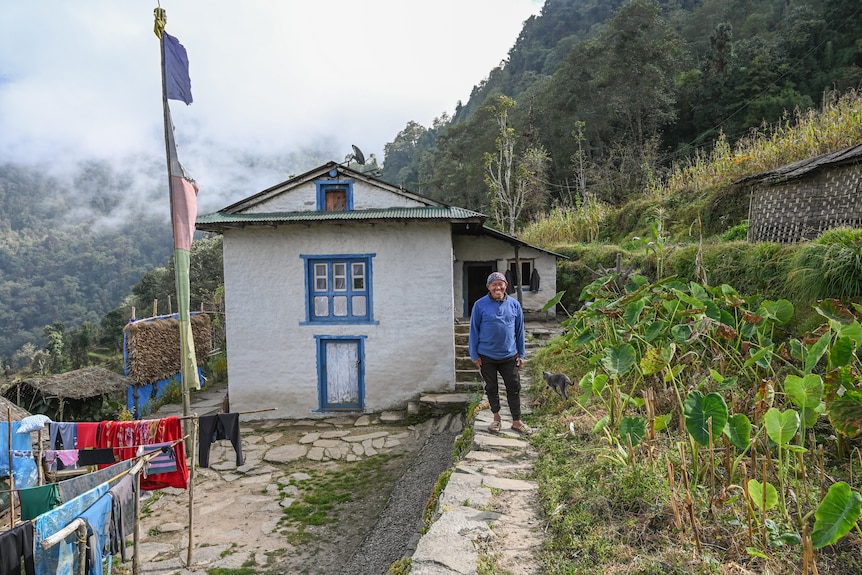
763,495
585,337
554,300
834,310
841,353
632,313
836,515
845,413
816,351
699,409
738,431
656,359
781,427
780,311
804,391
853,331
654,330
762,357
634,428
619,359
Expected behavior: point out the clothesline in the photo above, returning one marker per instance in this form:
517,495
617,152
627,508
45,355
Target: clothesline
49,542
196,416
140,458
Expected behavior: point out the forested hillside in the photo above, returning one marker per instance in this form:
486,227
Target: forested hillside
69,254
617,92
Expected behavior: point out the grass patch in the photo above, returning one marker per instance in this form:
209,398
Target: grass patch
321,497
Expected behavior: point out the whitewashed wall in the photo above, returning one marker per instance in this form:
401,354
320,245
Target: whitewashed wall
272,359
303,198
486,248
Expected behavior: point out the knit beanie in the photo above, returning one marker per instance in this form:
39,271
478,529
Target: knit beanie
496,276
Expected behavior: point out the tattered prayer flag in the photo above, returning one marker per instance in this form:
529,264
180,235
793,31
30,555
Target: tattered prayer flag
178,84
184,195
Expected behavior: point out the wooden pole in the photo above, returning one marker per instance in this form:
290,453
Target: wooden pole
193,442
11,473
136,553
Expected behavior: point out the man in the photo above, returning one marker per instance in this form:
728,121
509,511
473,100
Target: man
497,346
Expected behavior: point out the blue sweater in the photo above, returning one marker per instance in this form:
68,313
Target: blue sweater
497,329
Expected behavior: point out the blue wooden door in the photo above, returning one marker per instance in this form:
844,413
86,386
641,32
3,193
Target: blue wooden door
341,374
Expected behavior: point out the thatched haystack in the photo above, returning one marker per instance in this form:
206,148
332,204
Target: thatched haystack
153,347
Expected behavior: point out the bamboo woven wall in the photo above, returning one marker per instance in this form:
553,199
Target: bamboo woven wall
802,208
153,347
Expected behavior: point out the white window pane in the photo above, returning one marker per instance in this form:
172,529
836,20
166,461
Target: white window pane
339,276
320,277
358,271
359,306
321,306
339,306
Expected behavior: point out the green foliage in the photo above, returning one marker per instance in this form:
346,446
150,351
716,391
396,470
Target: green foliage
836,515
829,266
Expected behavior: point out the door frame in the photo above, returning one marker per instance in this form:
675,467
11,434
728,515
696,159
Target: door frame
476,269
322,402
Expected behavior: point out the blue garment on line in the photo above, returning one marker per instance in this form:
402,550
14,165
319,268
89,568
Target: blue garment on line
62,559
97,517
24,468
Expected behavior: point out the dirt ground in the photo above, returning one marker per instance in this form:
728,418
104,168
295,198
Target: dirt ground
239,518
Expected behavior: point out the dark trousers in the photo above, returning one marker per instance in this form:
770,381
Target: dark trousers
508,370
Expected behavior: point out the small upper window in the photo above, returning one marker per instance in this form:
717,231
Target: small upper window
334,195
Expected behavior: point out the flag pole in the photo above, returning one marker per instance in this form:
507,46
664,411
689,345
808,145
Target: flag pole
188,363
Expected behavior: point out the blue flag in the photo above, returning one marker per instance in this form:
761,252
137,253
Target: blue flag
178,85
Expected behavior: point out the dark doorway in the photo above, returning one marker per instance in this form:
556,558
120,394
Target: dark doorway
475,274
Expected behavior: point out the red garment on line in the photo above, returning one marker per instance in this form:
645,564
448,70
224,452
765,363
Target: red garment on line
87,434
124,437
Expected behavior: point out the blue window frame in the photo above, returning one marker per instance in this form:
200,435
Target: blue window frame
334,195
338,288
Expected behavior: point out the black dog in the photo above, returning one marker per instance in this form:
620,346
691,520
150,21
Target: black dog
558,382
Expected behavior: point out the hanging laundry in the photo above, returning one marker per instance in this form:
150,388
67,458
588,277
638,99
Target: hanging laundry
124,437
38,500
97,517
66,432
68,457
17,547
164,462
87,434
25,472
96,457
220,426
75,486
534,280
122,515
62,558
510,282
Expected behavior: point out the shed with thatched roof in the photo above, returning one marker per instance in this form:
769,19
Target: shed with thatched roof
799,201
78,395
18,412
151,349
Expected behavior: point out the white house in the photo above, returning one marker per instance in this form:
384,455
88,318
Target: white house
341,292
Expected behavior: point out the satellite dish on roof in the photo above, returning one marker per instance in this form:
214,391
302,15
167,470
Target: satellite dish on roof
358,156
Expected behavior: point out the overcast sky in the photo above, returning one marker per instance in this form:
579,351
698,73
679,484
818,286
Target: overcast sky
81,79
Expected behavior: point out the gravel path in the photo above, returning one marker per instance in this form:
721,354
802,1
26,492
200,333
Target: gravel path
396,530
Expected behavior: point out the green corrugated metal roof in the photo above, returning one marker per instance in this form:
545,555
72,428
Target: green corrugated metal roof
219,220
